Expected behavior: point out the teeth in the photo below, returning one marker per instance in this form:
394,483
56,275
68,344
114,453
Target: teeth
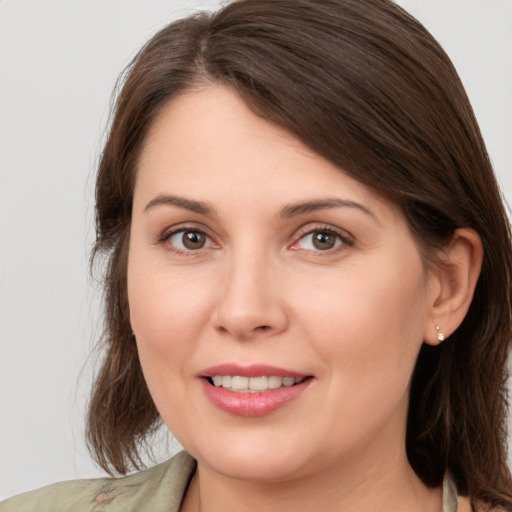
274,382
253,384
239,383
258,383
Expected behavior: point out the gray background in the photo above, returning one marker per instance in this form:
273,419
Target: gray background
59,60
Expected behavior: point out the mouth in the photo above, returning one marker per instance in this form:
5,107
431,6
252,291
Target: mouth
258,384
255,390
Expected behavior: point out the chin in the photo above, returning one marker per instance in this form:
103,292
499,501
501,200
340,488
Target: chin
264,469
256,460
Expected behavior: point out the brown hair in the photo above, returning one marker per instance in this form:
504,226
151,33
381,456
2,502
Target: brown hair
366,86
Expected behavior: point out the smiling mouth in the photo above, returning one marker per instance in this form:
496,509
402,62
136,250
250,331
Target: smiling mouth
259,384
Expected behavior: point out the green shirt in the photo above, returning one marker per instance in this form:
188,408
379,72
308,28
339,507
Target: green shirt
158,489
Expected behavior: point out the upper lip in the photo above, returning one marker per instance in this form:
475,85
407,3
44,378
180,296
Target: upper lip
253,370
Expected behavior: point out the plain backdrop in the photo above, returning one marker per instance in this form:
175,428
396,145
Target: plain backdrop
59,60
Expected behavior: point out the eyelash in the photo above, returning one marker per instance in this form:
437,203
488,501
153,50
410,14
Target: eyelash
345,240
167,235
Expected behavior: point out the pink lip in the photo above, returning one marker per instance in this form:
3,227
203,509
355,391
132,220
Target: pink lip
251,404
254,370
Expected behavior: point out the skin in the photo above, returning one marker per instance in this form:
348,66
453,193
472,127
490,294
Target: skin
353,317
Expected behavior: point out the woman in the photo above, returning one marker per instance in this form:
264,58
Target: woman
308,273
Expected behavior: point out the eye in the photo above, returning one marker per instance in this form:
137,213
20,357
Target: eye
189,240
321,239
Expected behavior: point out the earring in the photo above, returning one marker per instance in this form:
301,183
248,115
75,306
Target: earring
440,335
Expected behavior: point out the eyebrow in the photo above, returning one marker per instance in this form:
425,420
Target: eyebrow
293,210
181,202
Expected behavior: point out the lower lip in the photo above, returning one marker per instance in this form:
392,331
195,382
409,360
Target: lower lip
253,404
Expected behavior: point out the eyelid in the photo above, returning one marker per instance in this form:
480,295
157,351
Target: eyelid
164,238
347,240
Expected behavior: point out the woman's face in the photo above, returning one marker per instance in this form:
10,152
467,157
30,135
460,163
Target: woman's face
257,265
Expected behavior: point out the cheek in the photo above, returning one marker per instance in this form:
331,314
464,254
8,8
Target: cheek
168,313
167,318
369,319
167,308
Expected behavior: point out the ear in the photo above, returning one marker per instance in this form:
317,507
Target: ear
452,284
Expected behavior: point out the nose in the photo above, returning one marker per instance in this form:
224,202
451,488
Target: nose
251,303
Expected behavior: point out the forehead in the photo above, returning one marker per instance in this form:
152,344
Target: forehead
208,142
212,127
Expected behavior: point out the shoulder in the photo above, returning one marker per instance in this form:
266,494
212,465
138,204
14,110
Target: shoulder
159,488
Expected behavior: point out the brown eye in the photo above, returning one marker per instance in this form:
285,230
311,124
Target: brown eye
193,240
188,240
320,240
323,240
